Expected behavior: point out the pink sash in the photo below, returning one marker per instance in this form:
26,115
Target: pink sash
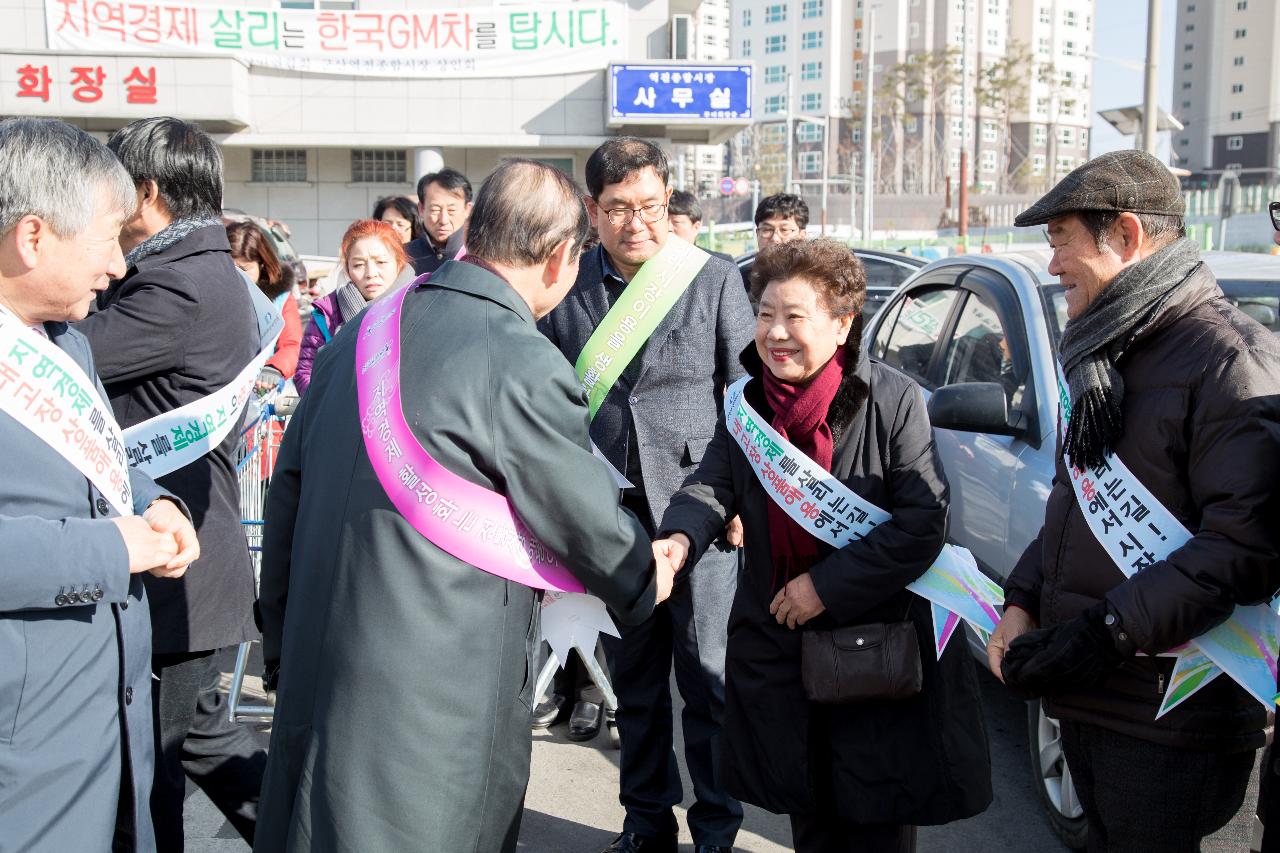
474,524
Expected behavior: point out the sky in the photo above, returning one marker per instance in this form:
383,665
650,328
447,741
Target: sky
1120,45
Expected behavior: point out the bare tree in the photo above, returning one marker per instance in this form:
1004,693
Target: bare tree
1002,89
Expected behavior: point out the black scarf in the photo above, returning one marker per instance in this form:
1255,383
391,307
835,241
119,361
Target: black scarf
1093,343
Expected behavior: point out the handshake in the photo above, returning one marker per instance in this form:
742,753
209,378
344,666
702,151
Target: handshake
669,556
161,540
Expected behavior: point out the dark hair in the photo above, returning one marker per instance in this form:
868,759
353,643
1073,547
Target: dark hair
250,243
182,159
783,206
830,267
620,158
402,206
448,179
685,203
1160,228
523,211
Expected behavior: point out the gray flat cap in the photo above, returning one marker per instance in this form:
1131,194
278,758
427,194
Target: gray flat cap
1117,181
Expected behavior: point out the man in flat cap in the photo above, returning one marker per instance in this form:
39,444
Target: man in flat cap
1161,519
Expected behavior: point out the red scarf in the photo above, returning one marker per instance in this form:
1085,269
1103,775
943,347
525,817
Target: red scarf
800,415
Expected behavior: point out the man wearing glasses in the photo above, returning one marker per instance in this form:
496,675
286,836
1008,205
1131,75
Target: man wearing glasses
781,218
653,420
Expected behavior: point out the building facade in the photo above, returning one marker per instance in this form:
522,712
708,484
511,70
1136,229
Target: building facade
1226,89
1006,79
324,106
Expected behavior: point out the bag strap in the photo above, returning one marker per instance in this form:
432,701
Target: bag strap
322,324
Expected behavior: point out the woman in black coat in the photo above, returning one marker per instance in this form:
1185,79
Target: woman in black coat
856,776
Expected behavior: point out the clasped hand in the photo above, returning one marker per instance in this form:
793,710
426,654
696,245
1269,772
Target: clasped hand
797,602
160,541
669,556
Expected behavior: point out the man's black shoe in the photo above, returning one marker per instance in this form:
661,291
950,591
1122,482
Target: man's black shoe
552,710
585,722
629,842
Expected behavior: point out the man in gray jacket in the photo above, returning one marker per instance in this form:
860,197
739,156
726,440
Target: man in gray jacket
75,638
654,425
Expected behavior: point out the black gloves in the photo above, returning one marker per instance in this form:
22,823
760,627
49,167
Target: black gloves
1067,657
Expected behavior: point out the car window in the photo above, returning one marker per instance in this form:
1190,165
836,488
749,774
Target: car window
874,302
1259,299
916,330
884,274
978,350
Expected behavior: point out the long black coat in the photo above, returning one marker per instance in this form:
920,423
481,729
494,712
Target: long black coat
406,675
179,326
1201,413
917,761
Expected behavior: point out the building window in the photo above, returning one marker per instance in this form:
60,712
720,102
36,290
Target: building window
1037,164
1069,17
1237,115
1238,61
746,47
1184,141
775,14
775,44
988,131
857,71
1241,5
1186,105
1186,84
1069,48
811,9
957,128
1042,46
993,38
1084,137
278,165
811,101
811,71
913,124
775,74
811,40
377,166
775,104
915,29
1042,106
1066,164
856,136
1186,66
1241,33
1235,143
1188,46
746,17
1038,135
988,161
1237,88
1066,135
809,132
1046,15
810,162
1191,28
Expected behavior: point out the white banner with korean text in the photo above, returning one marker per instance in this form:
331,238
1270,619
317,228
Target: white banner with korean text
521,40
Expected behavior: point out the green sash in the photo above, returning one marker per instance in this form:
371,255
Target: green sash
644,304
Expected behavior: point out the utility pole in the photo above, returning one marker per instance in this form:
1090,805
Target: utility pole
868,81
964,133
1150,111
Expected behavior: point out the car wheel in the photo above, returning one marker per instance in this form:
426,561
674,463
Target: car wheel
1053,778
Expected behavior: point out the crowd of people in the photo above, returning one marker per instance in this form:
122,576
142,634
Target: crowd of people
443,468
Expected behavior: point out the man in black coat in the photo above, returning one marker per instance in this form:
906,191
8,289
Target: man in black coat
444,203
177,327
1169,378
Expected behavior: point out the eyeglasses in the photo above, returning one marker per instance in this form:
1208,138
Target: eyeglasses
1274,208
650,213
768,231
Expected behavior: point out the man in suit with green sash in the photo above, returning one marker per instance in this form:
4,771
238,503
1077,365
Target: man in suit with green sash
654,327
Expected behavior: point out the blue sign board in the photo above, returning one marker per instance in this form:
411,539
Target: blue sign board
677,92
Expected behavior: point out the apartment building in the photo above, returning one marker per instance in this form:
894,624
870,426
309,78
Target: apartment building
1226,89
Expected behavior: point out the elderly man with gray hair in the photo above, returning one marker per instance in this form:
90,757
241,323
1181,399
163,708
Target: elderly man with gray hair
78,529
404,629
1162,516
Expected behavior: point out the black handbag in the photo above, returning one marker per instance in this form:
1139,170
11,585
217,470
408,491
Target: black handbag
859,662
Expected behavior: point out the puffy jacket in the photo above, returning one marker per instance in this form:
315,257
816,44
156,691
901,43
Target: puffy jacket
1202,432
289,345
313,338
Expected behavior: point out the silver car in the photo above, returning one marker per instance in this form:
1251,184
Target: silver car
997,320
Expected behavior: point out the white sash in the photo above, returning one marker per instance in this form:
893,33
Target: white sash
833,513
173,440
1137,531
44,390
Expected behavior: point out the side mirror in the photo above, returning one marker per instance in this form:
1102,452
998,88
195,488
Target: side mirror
971,407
